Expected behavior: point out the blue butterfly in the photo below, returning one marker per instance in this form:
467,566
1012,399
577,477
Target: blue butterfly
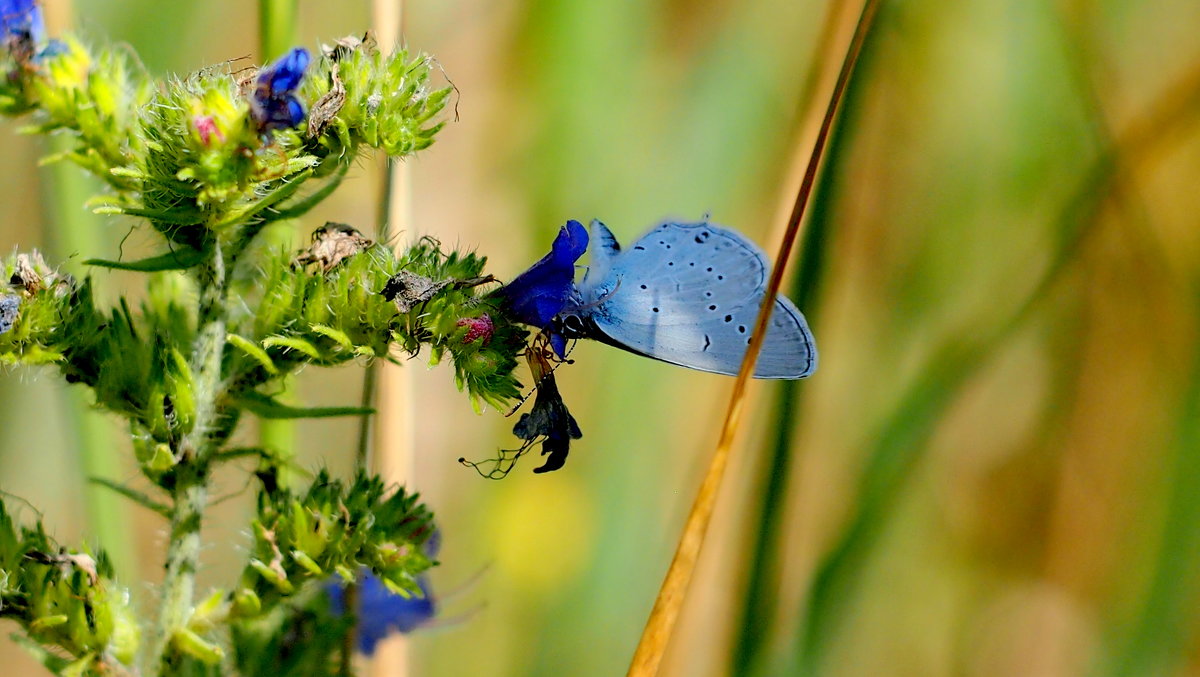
687,294
21,19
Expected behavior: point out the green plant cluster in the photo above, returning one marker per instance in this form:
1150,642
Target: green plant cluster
335,528
65,599
223,321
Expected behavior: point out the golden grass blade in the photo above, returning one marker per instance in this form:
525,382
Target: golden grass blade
759,609
661,624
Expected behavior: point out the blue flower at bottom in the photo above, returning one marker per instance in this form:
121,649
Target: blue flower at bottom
535,296
382,612
273,103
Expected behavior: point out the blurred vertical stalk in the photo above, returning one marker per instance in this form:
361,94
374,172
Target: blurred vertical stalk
277,33
73,230
902,439
393,456
766,522
1157,641
1158,634
660,626
277,27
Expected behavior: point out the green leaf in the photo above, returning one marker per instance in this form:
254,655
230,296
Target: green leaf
176,218
180,259
268,407
188,642
293,343
133,495
253,350
335,334
302,206
272,576
79,668
53,663
307,562
287,188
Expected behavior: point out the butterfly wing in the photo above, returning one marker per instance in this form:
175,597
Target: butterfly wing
605,251
688,294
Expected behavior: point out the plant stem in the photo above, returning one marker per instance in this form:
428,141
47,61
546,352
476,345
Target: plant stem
394,442
661,624
76,231
191,481
765,523
903,438
277,22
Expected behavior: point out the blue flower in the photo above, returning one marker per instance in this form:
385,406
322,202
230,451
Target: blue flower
381,611
535,296
21,20
274,104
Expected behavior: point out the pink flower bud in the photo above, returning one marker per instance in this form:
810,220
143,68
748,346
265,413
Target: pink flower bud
207,128
478,328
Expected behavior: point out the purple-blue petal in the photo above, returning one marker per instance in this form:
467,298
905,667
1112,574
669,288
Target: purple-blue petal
273,103
433,544
382,612
284,75
22,18
558,343
278,113
535,296
571,242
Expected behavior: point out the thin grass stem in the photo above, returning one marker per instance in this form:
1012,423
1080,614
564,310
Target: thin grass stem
766,521
660,626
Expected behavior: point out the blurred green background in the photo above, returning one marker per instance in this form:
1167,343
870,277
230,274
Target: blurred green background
996,470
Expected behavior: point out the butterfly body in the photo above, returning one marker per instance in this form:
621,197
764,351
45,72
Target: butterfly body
687,294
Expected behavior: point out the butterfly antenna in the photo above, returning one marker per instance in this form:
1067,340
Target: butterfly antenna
520,403
439,624
532,390
501,465
466,586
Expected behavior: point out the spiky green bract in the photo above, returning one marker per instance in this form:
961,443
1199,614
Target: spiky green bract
36,334
389,101
65,599
96,97
335,527
307,315
134,362
301,636
279,618
484,368
207,172
187,155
